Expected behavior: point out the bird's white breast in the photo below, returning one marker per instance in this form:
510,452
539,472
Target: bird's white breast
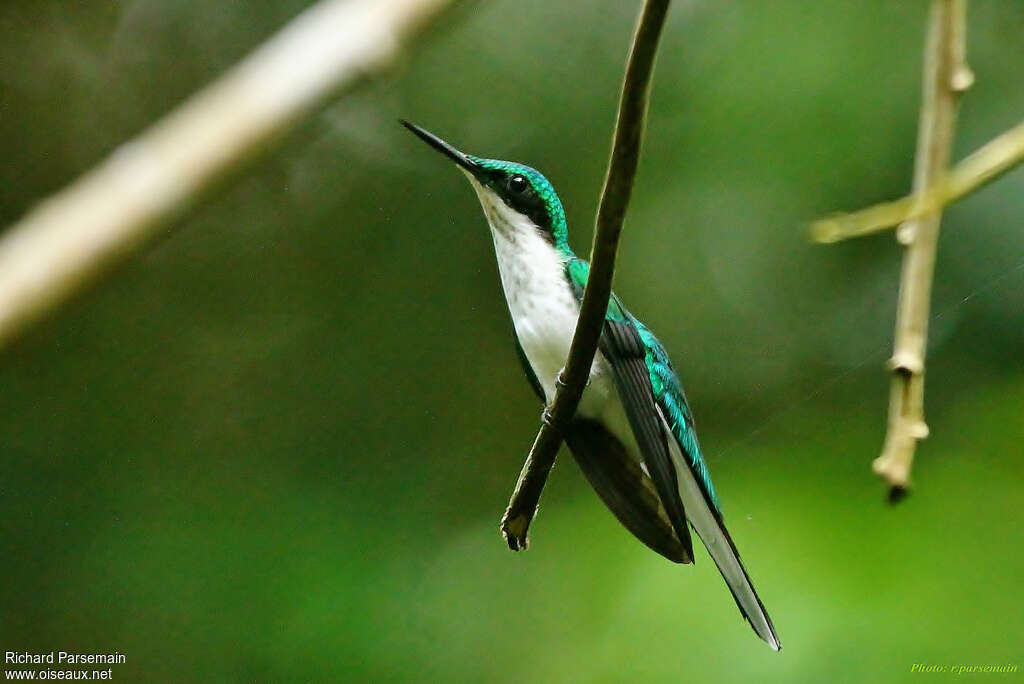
543,307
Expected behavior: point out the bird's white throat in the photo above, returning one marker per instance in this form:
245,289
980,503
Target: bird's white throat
543,307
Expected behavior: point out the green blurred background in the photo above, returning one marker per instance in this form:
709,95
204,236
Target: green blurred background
276,446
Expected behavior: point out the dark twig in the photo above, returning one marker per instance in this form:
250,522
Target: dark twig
618,186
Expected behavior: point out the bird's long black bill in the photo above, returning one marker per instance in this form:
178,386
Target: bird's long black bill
441,146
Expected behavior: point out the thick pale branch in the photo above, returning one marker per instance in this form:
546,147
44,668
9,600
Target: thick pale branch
988,163
615,196
77,235
944,79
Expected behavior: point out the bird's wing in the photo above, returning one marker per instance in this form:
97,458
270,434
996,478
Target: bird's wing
663,424
617,478
624,351
626,357
620,482
694,482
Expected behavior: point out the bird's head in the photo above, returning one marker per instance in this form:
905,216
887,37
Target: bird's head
515,197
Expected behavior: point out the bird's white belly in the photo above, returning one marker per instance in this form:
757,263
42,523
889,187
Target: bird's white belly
545,340
545,329
544,312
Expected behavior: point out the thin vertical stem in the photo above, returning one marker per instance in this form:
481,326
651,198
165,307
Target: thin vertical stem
618,186
945,76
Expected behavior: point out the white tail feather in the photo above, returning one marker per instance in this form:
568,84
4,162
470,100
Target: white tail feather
714,536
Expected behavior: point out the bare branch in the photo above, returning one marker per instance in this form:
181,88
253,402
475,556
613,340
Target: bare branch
104,217
988,163
618,186
945,76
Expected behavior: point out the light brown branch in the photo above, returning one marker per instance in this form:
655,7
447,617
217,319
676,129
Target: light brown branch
618,186
992,160
104,217
945,76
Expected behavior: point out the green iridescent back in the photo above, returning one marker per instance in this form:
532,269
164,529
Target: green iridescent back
665,386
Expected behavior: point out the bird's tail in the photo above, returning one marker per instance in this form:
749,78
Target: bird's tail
711,530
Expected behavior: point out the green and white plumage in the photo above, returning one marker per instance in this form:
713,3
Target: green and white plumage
633,435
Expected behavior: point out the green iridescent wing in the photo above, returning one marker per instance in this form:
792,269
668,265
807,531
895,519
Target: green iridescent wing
663,427
656,377
623,349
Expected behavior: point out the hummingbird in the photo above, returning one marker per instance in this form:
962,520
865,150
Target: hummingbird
633,434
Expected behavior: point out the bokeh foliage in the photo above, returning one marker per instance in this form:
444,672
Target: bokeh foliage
276,446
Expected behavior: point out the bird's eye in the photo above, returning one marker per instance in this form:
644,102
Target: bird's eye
517,183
